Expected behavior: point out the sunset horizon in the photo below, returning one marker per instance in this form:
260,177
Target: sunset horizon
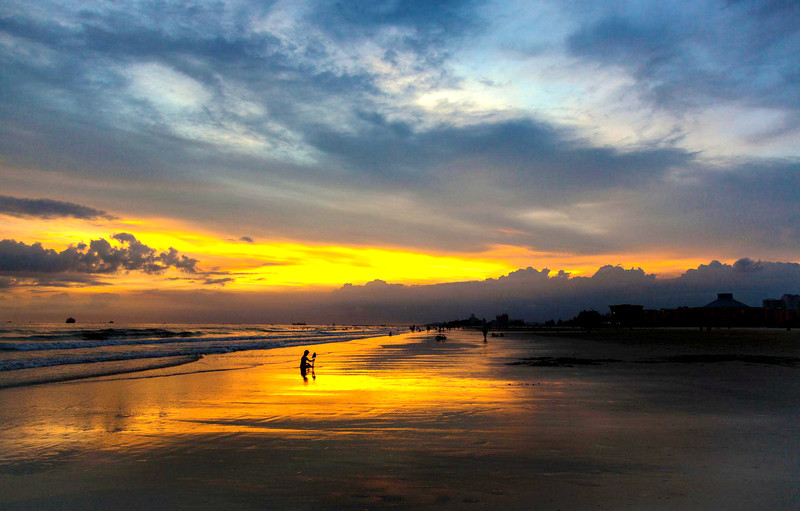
305,147
399,254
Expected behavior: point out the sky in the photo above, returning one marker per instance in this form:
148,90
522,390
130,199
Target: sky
260,161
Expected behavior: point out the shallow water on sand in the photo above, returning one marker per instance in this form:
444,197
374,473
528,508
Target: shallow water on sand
409,422
42,353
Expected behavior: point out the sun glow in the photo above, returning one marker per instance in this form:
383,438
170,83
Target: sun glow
273,264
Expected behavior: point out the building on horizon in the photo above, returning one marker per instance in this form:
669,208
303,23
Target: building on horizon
626,315
728,312
773,304
725,300
791,302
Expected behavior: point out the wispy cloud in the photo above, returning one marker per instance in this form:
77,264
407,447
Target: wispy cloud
49,208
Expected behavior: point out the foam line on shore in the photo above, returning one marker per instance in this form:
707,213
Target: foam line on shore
183,373
38,376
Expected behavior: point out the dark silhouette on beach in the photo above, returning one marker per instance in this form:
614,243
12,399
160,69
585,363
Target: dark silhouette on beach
485,330
306,364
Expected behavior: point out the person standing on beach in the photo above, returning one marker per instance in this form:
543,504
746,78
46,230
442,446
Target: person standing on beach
485,330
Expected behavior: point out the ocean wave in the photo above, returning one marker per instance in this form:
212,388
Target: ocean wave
70,359
65,353
81,371
97,341
92,334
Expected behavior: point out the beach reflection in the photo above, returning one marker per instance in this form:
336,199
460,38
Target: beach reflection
406,423
364,388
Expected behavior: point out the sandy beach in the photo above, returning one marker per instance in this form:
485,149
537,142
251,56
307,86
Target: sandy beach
668,420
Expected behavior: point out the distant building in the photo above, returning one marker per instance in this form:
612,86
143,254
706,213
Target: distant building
773,304
626,314
501,321
726,300
791,302
783,311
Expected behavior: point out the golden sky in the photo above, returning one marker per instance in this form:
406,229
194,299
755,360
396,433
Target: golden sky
274,264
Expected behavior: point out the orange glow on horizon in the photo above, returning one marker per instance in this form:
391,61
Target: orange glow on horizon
292,264
663,265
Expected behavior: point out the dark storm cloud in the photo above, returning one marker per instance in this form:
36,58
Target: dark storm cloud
48,208
99,257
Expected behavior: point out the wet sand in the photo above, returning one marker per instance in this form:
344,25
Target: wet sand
408,422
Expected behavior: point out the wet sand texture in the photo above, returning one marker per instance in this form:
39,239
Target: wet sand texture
408,422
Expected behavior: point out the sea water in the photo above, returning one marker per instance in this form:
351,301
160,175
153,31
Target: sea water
36,353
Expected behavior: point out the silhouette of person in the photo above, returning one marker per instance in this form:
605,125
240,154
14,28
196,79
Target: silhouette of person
485,331
304,364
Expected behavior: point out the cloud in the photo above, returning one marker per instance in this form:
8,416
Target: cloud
246,239
220,281
48,208
516,152
37,280
536,295
304,120
422,26
99,257
529,294
700,53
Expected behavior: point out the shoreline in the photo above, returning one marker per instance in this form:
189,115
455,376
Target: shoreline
92,353
82,371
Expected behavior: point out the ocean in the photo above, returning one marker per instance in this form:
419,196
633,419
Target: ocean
39,353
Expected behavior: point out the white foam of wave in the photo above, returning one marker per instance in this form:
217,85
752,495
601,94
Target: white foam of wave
167,348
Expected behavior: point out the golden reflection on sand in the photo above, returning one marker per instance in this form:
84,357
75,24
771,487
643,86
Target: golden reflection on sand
355,389
411,423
